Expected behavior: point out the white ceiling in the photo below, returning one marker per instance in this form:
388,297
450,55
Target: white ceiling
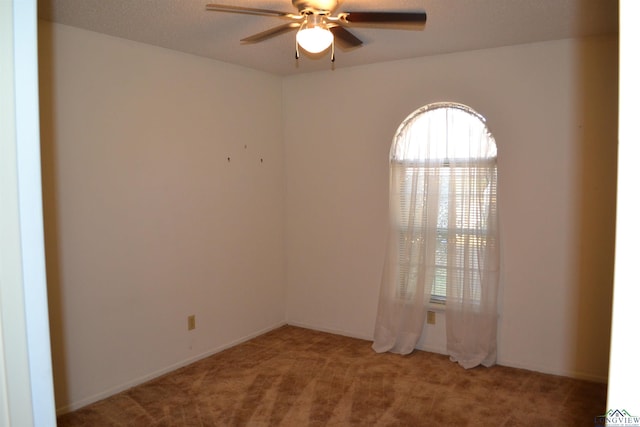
452,25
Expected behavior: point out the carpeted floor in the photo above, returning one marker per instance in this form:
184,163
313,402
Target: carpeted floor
298,377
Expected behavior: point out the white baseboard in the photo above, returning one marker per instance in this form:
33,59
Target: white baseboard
129,384
331,331
433,349
560,372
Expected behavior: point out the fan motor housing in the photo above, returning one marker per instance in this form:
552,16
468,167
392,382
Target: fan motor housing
316,6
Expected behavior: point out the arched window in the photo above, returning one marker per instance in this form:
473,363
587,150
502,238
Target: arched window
443,207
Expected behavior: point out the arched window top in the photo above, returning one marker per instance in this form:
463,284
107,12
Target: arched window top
443,132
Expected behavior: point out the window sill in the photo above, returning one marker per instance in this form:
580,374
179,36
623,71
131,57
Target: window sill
436,306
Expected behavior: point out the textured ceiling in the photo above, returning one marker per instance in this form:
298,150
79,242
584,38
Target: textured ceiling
452,25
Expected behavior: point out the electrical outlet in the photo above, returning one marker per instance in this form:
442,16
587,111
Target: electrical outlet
431,317
191,322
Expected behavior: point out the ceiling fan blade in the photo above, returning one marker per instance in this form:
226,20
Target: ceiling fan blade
280,29
345,36
248,10
415,18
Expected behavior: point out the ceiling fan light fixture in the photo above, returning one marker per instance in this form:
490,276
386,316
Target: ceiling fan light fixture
313,35
314,39
318,22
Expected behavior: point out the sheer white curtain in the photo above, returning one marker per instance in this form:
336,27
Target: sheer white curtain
409,263
443,234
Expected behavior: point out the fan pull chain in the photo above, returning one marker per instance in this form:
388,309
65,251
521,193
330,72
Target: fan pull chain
333,50
303,25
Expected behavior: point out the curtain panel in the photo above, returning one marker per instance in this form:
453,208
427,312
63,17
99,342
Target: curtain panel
443,234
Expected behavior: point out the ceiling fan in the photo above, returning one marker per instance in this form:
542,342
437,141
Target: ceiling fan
318,25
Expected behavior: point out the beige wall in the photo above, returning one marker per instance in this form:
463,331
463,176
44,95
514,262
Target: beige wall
146,220
552,108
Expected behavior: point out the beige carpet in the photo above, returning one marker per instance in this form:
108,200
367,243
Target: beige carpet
298,377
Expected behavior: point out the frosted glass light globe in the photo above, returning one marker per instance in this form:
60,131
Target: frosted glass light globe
315,39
